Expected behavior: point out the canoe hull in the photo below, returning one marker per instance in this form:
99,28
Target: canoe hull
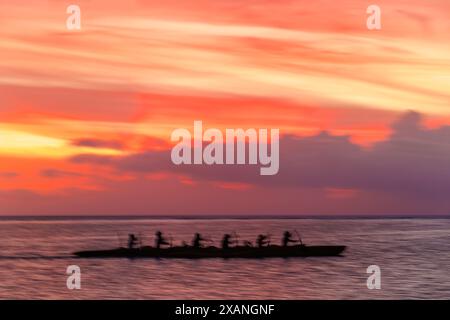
213,252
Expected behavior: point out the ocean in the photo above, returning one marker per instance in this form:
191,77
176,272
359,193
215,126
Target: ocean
413,256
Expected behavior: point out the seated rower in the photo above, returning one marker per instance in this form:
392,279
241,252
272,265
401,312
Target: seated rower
132,241
287,237
262,241
226,241
159,240
197,241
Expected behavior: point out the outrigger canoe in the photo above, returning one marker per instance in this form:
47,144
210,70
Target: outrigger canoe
187,252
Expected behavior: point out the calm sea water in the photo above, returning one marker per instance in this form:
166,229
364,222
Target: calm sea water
413,254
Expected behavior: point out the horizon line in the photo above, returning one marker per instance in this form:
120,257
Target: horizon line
224,217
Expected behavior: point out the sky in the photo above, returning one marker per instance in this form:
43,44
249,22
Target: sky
86,115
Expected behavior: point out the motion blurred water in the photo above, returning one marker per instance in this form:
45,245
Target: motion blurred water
413,254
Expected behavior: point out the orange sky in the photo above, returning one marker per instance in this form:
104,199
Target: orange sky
140,69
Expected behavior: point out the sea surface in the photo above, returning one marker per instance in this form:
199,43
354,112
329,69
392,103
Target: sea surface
413,255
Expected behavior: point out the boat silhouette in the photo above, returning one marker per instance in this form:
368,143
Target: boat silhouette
189,252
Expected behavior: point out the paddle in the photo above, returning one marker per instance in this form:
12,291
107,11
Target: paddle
299,238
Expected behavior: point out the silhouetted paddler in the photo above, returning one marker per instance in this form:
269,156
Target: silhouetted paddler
197,241
261,241
159,240
132,240
226,241
287,237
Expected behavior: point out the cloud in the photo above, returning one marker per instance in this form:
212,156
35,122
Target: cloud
55,173
8,174
97,143
413,161
255,51
321,174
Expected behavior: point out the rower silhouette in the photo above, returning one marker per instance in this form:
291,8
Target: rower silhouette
262,241
197,241
287,237
132,241
159,240
226,241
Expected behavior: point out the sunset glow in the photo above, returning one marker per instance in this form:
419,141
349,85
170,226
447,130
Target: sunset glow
86,115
